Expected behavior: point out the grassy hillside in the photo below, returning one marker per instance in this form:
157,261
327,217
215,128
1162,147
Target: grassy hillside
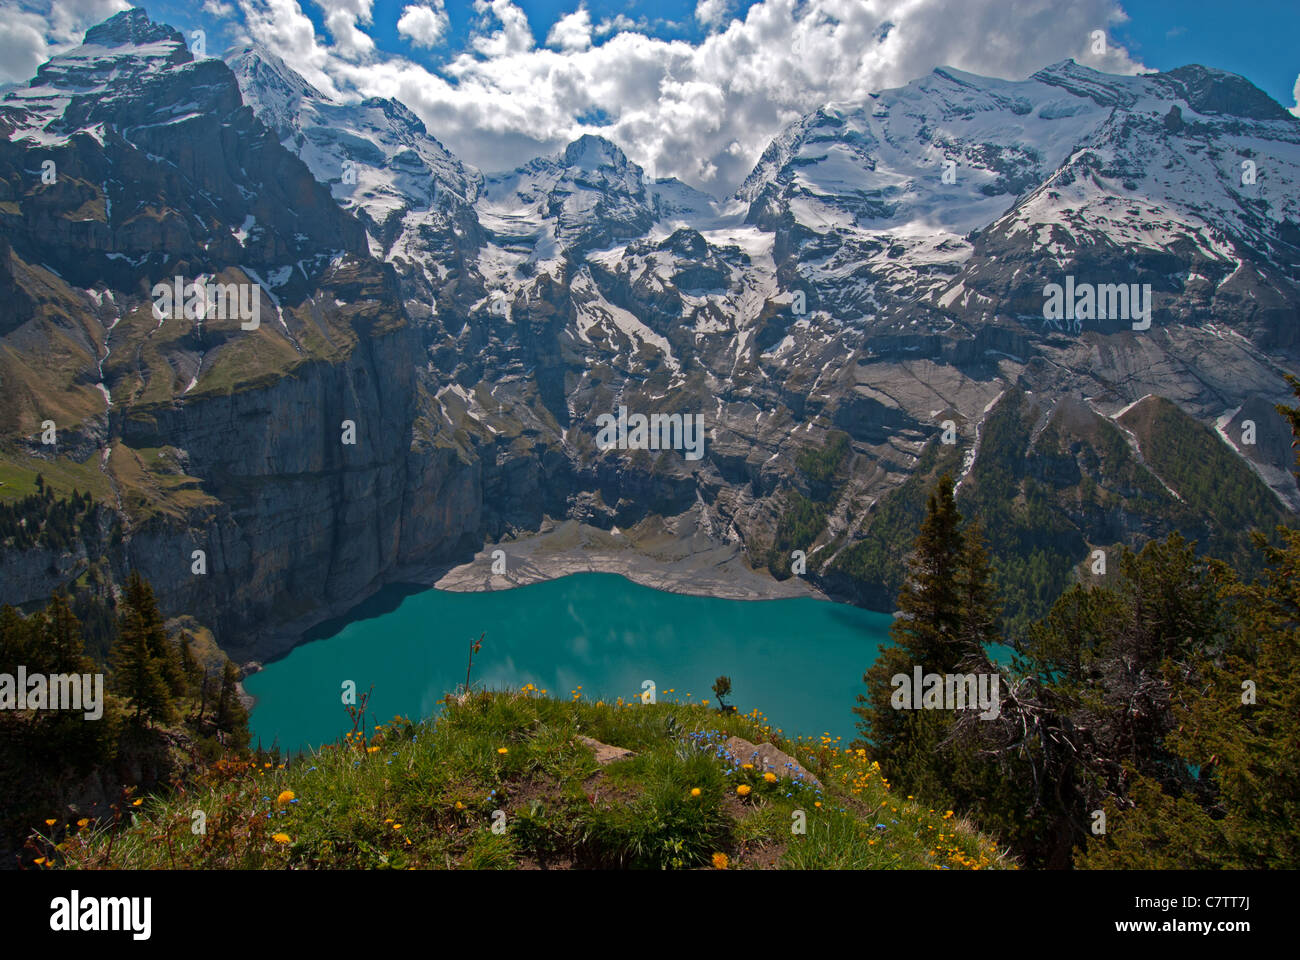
426,795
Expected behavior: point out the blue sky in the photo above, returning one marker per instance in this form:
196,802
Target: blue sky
688,88
1259,39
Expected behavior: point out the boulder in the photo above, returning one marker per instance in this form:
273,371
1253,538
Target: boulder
767,758
603,751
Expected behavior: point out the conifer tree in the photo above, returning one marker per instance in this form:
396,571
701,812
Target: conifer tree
980,623
930,600
205,687
140,599
946,615
190,668
15,639
63,649
139,661
231,717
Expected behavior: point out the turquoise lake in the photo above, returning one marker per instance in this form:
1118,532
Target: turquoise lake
799,661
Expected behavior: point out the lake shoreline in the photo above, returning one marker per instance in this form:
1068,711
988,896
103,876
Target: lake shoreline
652,555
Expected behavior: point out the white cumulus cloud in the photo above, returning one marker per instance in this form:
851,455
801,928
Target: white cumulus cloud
22,44
618,23
424,25
572,31
713,13
341,19
514,35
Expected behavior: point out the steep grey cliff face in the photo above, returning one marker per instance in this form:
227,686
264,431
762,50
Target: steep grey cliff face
305,523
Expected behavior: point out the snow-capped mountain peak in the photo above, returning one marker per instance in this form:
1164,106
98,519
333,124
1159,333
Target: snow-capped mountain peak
379,162
130,28
587,195
270,86
72,91
591,152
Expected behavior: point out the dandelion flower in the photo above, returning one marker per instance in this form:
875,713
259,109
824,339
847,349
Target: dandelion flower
284,797
82,822
281,838
770,777
503,750
50,823
695,791
720,861
743,790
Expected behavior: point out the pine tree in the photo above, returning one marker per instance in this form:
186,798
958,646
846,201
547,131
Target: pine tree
140,599
139,661
981,615
190,668
15,639
205,684
930,600
946,615
231,717
63,647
